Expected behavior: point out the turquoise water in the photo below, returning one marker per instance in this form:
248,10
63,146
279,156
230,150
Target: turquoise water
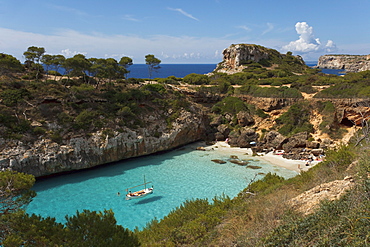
178,175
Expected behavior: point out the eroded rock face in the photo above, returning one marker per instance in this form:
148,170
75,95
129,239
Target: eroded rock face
296,141
273,139
46,157
270,104
245,118
237,57
350,63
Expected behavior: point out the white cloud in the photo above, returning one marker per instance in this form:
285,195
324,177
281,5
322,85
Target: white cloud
307,42
69,10
170,49
68,53
270,27
184,13
245,28
130,18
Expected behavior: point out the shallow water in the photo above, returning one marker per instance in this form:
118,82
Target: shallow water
178,175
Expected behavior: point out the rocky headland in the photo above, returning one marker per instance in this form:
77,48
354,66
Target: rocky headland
349,63
237,57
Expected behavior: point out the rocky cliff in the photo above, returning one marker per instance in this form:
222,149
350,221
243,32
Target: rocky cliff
237,57
46,157
350,63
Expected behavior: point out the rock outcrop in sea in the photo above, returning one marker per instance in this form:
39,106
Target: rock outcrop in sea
349,63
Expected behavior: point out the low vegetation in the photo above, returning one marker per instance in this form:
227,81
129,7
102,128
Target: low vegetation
93,95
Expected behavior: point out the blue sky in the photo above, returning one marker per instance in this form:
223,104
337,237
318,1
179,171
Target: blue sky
192,31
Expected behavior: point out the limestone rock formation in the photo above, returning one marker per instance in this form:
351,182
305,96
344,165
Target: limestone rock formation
238,56
46,157
245,118
350,63
243,138
310,200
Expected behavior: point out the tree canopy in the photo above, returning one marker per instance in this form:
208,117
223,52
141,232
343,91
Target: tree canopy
153,64
9,64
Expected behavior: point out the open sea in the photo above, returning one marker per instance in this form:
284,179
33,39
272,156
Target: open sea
166,70
182,70
178,175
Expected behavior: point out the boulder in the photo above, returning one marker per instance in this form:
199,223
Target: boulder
218,161
243,138
224,130
219,136
216,121
239,162
296,141
273,139
317,152
313,144
245,118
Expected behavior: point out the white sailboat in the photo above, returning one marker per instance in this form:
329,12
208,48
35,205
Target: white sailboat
140,193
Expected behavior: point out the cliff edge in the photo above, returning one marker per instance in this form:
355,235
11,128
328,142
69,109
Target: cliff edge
238,57
349,63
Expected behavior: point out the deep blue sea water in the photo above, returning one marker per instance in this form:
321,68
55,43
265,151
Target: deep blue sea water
182,70
177,176
166,70
327,71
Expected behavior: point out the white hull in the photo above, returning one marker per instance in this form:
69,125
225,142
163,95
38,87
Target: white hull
139,194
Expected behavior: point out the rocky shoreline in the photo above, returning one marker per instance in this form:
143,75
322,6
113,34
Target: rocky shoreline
46,157
298,165
349,63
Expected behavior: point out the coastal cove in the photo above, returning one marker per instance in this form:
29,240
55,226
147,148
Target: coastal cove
178,175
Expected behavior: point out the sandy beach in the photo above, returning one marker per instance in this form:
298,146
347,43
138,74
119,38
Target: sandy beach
278,160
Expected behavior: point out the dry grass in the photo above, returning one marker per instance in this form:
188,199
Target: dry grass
253,218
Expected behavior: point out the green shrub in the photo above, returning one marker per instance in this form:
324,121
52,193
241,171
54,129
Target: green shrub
64,119
270,92
265,185
39,130
296,119
10,97
158,88
125,112
231,105
188,224
196,79
340,158
85,119
56,137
